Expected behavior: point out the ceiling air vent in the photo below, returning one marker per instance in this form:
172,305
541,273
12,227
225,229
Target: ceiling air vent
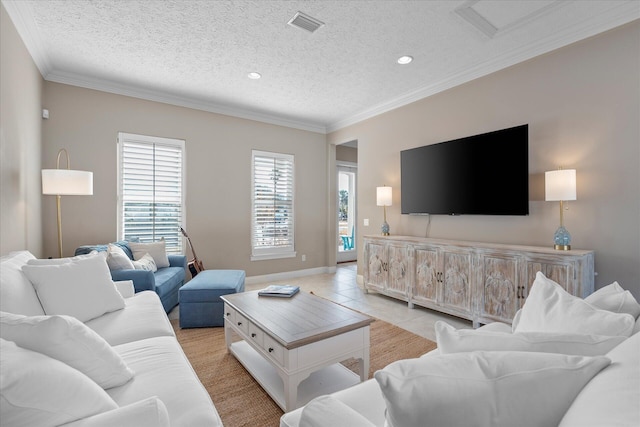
305,22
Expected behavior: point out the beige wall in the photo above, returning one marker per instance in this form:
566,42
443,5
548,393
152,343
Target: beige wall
582,104
346,154
20,134
218,159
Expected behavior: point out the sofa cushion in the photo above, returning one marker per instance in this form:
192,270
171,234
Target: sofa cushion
141,318
490,389
157,250
117,259
327,411
549,308
37,390
70,341
163,370
613,298
168,280
451,340
611,398
81,288
17,294
150,412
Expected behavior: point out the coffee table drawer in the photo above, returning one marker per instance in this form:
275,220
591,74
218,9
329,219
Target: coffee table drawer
242,323
275,350
256,334
236,319
229,314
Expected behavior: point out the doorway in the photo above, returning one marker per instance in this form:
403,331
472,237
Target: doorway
346,203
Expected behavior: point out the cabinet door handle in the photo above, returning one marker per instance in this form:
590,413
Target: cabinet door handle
253,335
228,314
270,349
239,323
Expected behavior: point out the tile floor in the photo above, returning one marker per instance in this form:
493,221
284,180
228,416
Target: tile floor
342,287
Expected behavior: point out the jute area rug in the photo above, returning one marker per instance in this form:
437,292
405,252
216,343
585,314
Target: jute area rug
240,400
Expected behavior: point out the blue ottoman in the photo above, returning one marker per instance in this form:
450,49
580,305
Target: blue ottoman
199,299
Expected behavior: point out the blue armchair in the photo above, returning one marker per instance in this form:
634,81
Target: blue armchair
165,282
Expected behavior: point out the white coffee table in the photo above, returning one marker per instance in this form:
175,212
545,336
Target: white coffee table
293,346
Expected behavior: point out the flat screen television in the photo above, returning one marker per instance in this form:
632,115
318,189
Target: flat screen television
485,174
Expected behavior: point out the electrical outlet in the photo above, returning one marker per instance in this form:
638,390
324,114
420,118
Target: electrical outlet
304,257
366,222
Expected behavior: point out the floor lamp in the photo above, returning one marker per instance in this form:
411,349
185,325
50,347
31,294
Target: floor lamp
65,182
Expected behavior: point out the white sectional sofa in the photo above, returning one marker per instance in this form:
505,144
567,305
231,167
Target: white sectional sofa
564,362
122,367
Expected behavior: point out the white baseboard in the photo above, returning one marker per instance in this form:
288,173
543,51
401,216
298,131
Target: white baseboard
289,275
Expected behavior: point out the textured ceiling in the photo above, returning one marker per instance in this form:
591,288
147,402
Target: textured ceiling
198,53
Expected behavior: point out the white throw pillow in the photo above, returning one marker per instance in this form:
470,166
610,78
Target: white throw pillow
613,298
17,294
327,411
37,390
68,340
58,261
81,288
157,250
117,259
451,340
549,308
145,263
479,389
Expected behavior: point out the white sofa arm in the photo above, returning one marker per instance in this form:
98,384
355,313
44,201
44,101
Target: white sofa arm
149,412
125,287
327,411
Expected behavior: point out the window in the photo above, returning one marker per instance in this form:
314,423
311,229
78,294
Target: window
151,189
272,188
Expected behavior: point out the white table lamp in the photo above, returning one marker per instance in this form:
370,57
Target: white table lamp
384,198
560,185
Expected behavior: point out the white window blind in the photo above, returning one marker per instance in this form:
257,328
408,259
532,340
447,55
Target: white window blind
272,231
151,189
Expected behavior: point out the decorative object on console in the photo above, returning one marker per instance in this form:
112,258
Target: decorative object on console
65,182
384,199
560,185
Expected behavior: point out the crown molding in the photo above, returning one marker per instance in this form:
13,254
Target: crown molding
166,98
21,16
615,17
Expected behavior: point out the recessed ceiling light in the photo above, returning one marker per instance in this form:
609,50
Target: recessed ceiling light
254,75
404,60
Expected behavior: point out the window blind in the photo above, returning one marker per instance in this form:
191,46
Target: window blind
272,231
150,199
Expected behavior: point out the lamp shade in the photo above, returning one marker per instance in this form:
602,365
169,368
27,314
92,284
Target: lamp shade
65,182
384,196
560,185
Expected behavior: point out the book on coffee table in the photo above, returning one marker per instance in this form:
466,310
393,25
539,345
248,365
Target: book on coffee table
282,291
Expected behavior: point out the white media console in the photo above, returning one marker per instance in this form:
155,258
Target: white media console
481,282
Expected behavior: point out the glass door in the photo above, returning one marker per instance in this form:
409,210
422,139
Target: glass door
346,213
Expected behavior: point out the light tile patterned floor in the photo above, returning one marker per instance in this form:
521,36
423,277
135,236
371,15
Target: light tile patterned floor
342,288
